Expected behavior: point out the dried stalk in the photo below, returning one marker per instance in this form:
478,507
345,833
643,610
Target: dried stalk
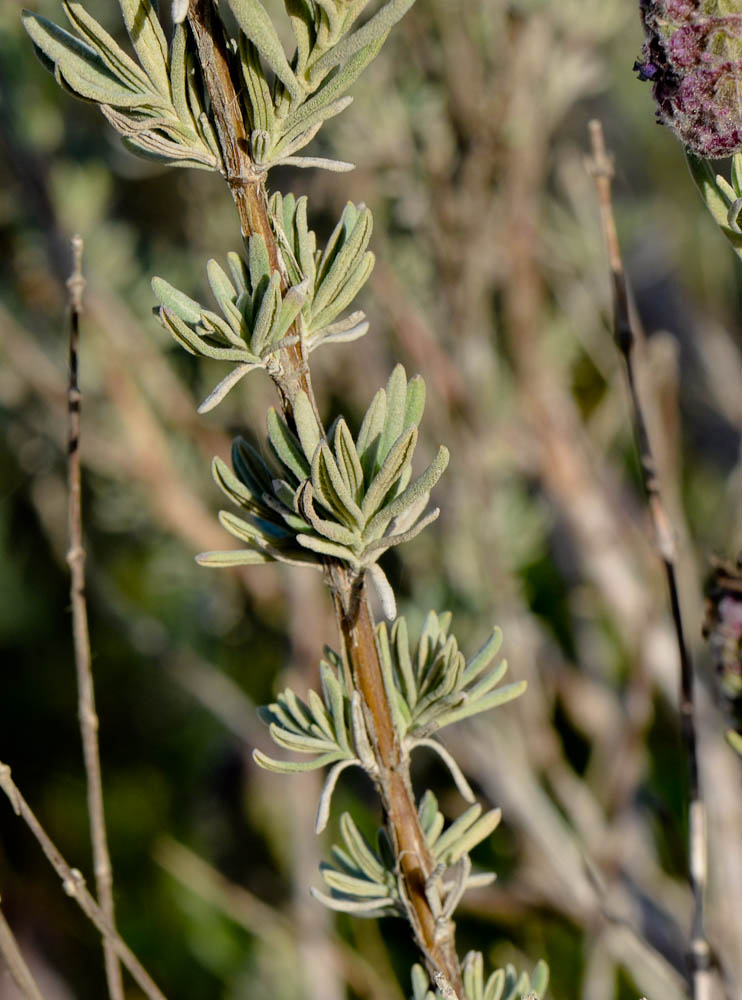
16,963
435,940
625,336
74,885
85,693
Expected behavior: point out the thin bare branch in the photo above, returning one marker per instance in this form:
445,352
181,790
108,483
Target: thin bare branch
16,963
85,692
73,884
625,335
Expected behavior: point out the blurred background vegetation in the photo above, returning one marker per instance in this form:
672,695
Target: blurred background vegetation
469,132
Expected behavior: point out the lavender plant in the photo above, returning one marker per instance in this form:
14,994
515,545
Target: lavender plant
315,497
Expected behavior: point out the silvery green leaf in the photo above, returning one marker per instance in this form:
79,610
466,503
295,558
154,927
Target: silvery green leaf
302,24
352,886
468,839
361,740
472,970
420,984
293,766
489,681
493,700
224,292
360,851
388,541
344,331
259,95
298,742
266,314
398,458
414,401
359,907
417,490
400,641
374,30
320,717
347,459
369,436
178,74
293,300
456,773
184,307
233,487
540,978
78,66
396,404
250,467
353,246
484,656
327,529
111,54
286,446
325,799
456,830
306,424
305,124
257,25
148,39
160,139
233,557
325,548
258,263
335,701
495,985
330,489
199,345
350,286
321,162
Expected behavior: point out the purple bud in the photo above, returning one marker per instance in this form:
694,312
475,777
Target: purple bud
693,57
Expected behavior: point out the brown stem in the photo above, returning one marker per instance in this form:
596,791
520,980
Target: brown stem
435,939
246,183
626,336
85,691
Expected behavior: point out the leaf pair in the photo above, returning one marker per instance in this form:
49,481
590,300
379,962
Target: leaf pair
157,104
318,498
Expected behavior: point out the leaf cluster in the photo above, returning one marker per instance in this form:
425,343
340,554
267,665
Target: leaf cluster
365,880
503,984
314,497
156,104
289,101
256,317
435,685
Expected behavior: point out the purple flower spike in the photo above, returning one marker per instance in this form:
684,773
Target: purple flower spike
693,58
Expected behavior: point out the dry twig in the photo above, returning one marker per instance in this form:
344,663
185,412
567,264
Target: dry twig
16,963
625,336
85,693
74,885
